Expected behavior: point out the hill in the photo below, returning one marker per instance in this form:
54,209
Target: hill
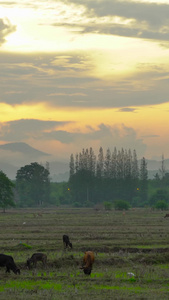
23,148
16,155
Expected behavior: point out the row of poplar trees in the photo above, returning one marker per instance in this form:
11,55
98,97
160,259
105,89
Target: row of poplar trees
111,176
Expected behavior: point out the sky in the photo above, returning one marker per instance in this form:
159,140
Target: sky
77,74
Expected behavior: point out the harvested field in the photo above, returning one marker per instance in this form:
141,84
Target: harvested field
136,242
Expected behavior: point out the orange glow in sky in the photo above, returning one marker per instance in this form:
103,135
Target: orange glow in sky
93,72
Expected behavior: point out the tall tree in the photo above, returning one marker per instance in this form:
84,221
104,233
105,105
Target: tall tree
109,177
76,163
33,184
127,164
162,170
83,159
107,164
120,164
92,161
143,180
100,164
135,167
72,165
113,171
6,191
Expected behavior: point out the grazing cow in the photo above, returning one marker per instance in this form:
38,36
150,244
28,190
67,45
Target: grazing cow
8,262
88,261
166,216
37,257
66,241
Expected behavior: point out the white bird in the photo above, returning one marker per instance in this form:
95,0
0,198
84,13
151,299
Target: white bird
24,223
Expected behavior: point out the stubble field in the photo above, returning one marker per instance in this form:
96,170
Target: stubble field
135,241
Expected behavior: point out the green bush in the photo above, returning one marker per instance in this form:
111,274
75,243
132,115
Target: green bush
107,205
159,195
161,205
121,204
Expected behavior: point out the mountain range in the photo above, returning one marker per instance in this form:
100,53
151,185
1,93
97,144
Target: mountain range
15,155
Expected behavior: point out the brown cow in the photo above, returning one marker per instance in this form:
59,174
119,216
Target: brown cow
166,216
37,257
88,261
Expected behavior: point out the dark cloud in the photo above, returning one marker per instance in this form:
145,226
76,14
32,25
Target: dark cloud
109,136
132,30
128,31
5,29
127,109
141,20
150,12
45,77
53,79
62,136
24,129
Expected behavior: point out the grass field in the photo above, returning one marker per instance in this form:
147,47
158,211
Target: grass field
136,241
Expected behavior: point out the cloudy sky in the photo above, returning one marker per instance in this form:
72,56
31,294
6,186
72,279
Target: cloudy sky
85,73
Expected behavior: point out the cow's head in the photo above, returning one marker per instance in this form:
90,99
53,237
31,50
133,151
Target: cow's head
16,271
70,245
87,271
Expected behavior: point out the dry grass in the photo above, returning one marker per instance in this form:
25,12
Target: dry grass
135,242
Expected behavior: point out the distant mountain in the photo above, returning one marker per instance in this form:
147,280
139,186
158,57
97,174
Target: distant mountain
16,155
155,164
22,148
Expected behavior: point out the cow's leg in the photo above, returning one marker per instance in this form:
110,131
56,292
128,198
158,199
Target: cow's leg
65,245
44,262
7,269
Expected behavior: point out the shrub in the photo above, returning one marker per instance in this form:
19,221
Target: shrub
159,195
121,204
107,205
161,205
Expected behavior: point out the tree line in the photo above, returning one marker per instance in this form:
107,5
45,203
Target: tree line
106,178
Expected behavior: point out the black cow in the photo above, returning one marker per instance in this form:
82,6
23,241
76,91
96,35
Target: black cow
8,262
66,241
37,257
